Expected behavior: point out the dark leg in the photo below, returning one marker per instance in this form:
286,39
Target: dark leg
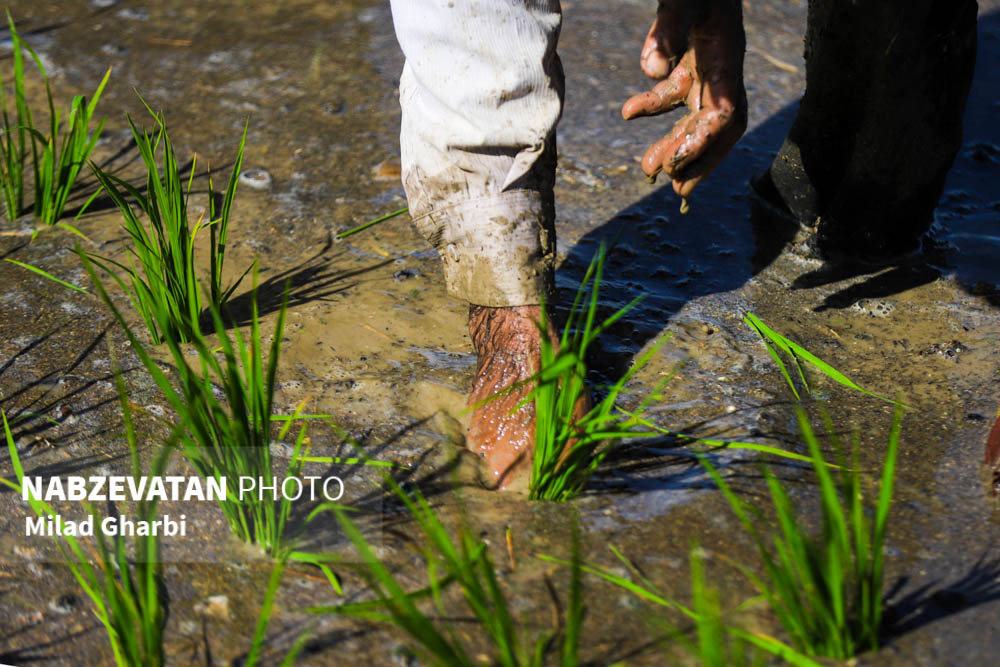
879,124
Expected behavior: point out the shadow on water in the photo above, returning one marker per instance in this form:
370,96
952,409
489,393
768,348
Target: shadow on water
725,240
38,652
38,410
47,402
315,279
675,258
932,601
965,238
12,250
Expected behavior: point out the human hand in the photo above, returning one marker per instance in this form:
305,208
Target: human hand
696,47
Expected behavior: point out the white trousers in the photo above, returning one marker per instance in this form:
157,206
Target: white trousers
481,93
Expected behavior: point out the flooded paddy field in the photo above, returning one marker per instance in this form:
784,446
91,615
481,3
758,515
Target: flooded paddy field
373,340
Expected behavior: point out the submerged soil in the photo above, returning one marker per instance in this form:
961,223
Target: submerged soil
373,340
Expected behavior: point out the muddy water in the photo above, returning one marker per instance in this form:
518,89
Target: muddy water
373,340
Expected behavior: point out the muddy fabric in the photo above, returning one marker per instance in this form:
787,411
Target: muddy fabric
481,93
880,122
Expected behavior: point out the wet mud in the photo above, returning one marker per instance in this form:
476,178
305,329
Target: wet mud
373,340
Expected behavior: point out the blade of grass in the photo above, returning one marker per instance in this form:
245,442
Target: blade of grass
46,274
371,223
798,352
264,617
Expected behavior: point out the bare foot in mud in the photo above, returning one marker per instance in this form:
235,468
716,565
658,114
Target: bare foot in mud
508,346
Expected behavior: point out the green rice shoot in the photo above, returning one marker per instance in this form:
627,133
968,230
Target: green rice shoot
724,444
464,562
253,656
826,590
161,273
775,342
371,223
45,274
125,590
569,450
58,156
231,436
14,139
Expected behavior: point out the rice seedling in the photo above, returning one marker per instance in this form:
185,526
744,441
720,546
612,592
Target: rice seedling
714,647
468,565
126,592
827,590
717,643
164,288
253,656
774,341
14,139
229,435
568,449
320,561
264,617
56,170
57,157
371,223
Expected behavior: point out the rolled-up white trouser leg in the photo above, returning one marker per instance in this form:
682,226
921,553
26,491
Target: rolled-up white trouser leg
481,93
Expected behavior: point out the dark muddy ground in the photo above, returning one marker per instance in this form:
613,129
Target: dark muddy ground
374,341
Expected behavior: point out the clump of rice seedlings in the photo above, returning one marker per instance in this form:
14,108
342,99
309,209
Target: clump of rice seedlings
14,138
229,433
126,592
717,643
58,156
774,341
163,287
464,562
56,170
568,449
288,552
826,590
